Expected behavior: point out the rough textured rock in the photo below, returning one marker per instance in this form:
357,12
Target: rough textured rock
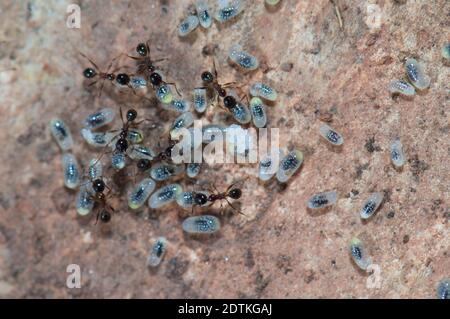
278,249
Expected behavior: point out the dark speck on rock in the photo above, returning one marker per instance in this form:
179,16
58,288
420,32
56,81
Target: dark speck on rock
176,267
287,66
370,145
249,260
360,169
391,214
261,283
405,239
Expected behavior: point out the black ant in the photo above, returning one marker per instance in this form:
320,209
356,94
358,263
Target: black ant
104,214
165,155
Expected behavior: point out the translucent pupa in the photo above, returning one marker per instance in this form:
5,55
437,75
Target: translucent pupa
84,202
200,100
371,205
322,200
446,51
100,118
164,195
397,154
118,160
95,169
269,164
96,139
240,112
164,93
138,82
188,25
402,87
416,74
137,152
157,252
359,254
183,121
228,9
193,169
203,14
204,224
331,135
71,171
140,193
443,289
179,106
242,58
61,133
186,199
264,91
135,136
258,111
162,171
289,165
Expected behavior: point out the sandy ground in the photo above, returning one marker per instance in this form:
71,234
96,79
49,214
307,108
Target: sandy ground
279,249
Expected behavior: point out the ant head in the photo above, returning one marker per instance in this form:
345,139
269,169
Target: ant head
207,77
89,73
155,78
121,145
222,92
143,164
123,79
98,185
110,76
131,115
200,199
105,216
235,193
229,102
141,49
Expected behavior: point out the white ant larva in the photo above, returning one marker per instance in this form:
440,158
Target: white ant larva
200,100
402,87
157,252
359,254
71,171
162,171
61,133
242,58
100,118
416,74
397,154
138,82
258,111
264,91
371,205
137,152
203,14
95,169
289,165
322,200
164,195
443,289
228,9
180,106
188,25
331,135
140,193
193,169
269,164
118,160
446,51
185,120
84,202
204,224
96,139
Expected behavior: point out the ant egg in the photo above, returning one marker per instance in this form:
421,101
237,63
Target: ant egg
135,136
118,160
211,131
358,253
164,94
179,106
183,121
242,58
322,200
188,25
269,164
446,51
258,111
331,135
272,2
71,171
186,199
443,289
204,224
157,252
241,113
264,91
138,152
200,100
416,74
371,205
95,169
138,82
161,172
84,202
61,134
402,87
96,139
193,169
228,9
203,14
140,193
164,195
100,118
397,154
289,165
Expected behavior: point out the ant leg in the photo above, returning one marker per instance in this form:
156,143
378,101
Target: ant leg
214,68
121,115
235,183
92,62
234,208
96,219
229,84
175,86
92,84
